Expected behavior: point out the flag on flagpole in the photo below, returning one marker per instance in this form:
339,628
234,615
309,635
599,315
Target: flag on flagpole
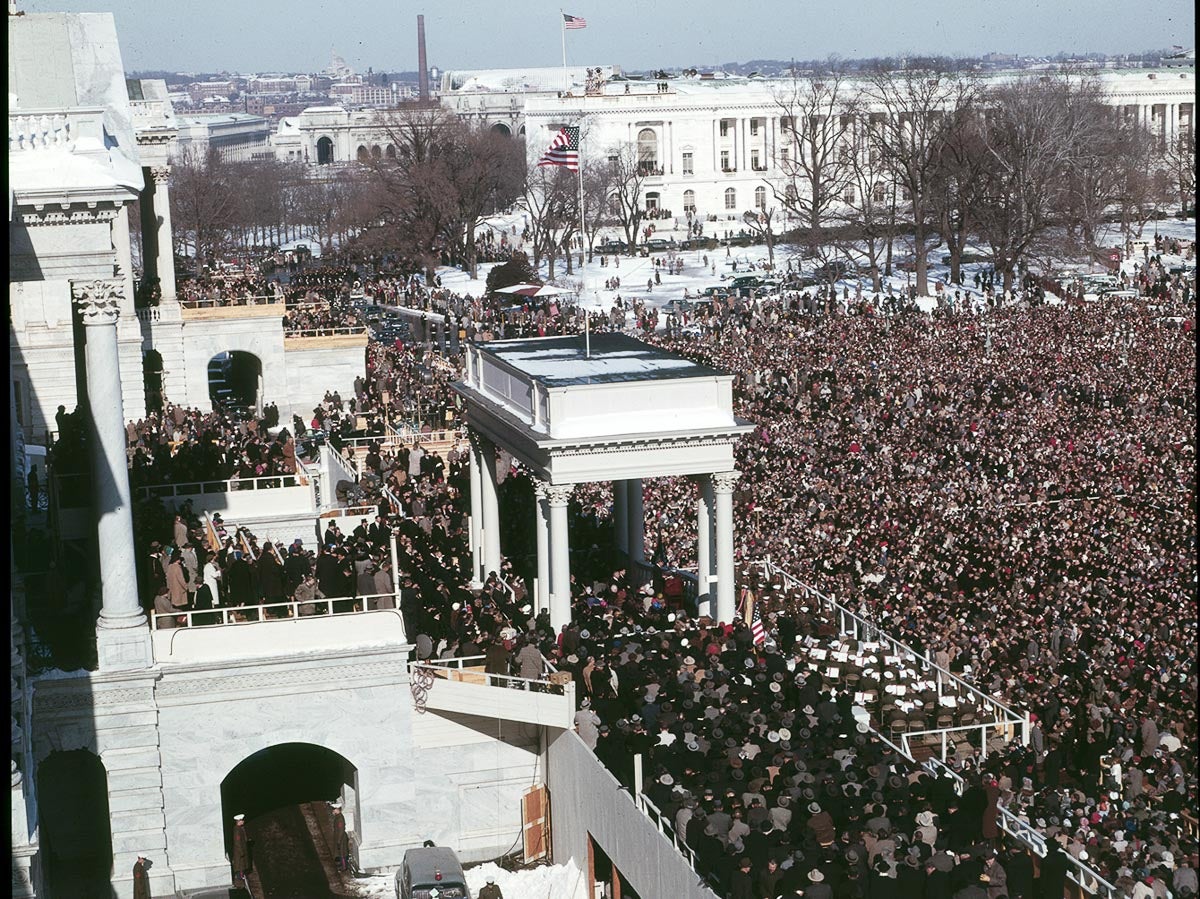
573,21
564,149
757,631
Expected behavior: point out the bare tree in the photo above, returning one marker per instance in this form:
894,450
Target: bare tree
1181,163
1033,132
761,223
870,212
551,199
817,144
957,180
907,128
598,189
628,176
203,203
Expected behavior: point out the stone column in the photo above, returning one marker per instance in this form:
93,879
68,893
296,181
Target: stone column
704,546
723,489
122,634
165,261
620,516
491,510
637,520
541,498
149,228
476,468
558,495
124,250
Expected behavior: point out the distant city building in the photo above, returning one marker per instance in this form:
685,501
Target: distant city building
239,137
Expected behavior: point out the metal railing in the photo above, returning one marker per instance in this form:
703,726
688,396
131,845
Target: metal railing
197,488
442,667
220,302
1083,875
944,734
666,828
289,333
852,624
325,607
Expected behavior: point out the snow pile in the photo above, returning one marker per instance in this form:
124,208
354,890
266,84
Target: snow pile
548,882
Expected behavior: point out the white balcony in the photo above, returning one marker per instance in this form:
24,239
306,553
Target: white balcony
462,685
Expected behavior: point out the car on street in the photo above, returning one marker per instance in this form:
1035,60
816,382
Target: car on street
609,247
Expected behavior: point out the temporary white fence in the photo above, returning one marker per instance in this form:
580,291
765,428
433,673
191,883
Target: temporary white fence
201,488
854,625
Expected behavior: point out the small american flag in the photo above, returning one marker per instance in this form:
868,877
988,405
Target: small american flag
564,149
573,21
757,631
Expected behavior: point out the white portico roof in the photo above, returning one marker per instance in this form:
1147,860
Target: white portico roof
626,406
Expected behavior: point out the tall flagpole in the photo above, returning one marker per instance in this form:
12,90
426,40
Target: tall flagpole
583,241
562,28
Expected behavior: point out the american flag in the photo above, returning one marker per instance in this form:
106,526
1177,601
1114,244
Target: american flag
564,149
573,21
757,631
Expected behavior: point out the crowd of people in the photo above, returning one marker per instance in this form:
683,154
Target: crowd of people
182,445
1007,487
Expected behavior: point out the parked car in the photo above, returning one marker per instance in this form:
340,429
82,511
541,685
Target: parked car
429,869
678,307
834,271
609,247
655,245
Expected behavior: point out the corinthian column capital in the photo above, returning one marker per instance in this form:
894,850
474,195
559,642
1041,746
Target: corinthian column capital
99,301
559,494
160,173
723,481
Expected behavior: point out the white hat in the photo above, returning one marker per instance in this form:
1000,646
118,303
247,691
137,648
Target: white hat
239,817
336,805
815,876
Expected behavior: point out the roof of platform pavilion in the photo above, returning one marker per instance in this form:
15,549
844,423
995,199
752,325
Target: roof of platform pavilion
565,361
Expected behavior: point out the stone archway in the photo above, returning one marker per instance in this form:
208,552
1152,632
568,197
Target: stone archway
272,786
74,825
235,381
501,129
324,151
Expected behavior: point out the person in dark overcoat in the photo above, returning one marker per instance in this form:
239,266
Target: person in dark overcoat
141,878
240,857
341,843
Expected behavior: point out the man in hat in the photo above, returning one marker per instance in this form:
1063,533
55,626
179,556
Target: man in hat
141,878
341,843
490,890
240,858
1018,871
741,884
818,888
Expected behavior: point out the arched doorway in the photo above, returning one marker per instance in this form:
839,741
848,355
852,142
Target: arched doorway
324,151
363,153
501,129
277,789
73,822
152,380
235,381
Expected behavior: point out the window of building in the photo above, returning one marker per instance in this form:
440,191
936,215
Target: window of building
647,148
363,154
724,160
652,200
754,127
848,196
724,127
783,156
760,198
689,202
755,165
880,192
687,164
730,198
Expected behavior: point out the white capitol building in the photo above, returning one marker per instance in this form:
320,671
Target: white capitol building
710,141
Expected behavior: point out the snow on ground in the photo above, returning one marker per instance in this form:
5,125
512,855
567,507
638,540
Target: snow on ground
634,272
547,882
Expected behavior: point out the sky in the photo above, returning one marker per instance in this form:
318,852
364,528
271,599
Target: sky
248,36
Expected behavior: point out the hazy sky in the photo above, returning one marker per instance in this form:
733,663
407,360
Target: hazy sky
269,35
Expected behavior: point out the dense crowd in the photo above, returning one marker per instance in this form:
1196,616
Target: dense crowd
1004,485
186,445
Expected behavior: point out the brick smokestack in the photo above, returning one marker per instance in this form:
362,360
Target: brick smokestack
422,64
